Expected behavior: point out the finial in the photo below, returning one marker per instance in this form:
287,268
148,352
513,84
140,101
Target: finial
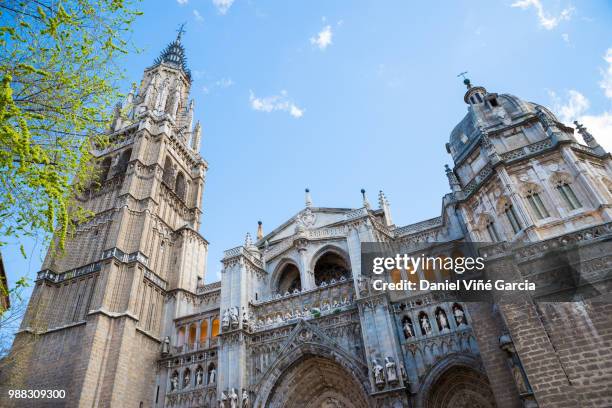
453,181
382,200
586,135
180,32
466,80
383,203
366,203
308,198
248,242
259,230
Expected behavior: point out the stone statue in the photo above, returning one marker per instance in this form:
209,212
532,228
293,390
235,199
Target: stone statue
245,320
225,322
233,315
459,316
379,375
363,285
425,324
186,379
165,349
391,370
519,379
443,321
408,329
174,383
245,399
223,400
199,376
233,397
212,376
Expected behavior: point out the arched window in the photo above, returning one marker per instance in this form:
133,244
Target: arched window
568,195
289,279
536,204
192,334
203,331
490,225
330,266
215,327
104,169
512,218
168,177
123,161
180,187
396,276
181,337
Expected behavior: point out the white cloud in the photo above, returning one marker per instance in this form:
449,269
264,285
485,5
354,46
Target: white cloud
323,39
198,16
575,107
182,2
606,82
273,103
224,83
223,6
565,37
546,20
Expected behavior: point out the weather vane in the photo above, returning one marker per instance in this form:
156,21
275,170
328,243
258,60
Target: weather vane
181,31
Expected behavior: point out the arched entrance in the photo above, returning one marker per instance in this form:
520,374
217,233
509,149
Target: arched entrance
314,375
460,387
317,382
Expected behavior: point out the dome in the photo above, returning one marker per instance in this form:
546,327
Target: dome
491,111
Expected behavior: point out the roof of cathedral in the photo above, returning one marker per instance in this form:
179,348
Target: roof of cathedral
509,111
174,55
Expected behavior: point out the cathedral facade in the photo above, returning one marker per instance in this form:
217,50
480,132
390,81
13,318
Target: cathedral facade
124,318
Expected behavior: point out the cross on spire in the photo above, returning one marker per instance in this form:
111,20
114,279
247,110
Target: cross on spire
466,80
180,32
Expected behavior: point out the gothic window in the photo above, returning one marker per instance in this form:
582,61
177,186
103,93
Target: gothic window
512,218
289,279
192,335
180,187
215,327
104,169
181,337
568,195
396,276
123,161
536,204
330,266
478,98
168,177
492,231
203,331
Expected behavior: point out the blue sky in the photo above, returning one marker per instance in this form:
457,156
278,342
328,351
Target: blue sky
343,95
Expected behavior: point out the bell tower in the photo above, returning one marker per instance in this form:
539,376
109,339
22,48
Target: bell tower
95,321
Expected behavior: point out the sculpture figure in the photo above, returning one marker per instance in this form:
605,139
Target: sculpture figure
442,320
391,370
225,322
233,397
379,376
408,329
223,400
166,346
459,316
245,399
233,315
425,324
212,376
